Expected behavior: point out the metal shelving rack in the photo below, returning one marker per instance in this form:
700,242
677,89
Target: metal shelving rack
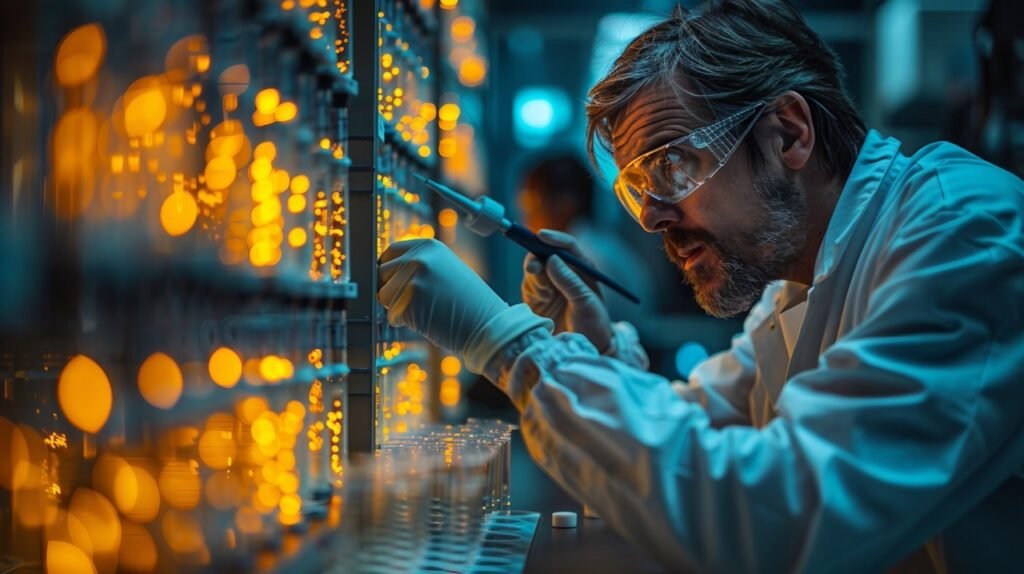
392,137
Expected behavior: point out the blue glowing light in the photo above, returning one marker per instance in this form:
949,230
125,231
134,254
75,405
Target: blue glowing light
688,356
540,112
537,113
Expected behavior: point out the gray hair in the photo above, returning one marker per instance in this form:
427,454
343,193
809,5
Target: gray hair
728,55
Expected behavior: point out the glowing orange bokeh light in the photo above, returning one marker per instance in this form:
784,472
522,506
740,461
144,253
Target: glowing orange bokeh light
297,204
136,493
267,100
225,367
80,54
265,150
179,484
286,112
85,394
297,237
65,557
472,71
160,381
217,448
178,213
300,183
220,171
100,519
138,550
462,29
145,107
451,366
450,392
449,112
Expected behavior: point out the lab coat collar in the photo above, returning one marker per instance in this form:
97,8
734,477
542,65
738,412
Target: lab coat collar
790,295
807,327
873,162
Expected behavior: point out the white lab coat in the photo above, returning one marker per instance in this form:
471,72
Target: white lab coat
849,424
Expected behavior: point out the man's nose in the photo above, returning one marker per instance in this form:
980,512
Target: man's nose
657,215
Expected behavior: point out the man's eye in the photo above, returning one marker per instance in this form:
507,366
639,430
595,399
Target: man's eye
676,155
683,159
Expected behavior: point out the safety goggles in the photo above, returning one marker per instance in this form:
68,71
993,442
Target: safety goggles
671,172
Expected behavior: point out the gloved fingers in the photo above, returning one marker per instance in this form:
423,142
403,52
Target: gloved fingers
535,279
537,286
569,243
534,273
547,302
563,240
542,297
397,305
532,265
391,280
386,272
400,248
395,278
399,254
567,281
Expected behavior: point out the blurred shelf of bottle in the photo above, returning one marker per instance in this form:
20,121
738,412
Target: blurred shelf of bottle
174,381
192,349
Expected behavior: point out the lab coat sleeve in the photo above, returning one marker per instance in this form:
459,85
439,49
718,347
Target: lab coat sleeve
904,425
626,347
721,384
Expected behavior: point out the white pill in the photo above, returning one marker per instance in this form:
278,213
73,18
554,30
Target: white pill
563,519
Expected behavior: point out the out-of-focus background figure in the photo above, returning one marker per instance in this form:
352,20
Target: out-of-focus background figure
557,193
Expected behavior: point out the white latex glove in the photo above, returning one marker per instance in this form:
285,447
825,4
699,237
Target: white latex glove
554,290
427,288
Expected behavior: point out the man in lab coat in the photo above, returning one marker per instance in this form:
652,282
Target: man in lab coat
870,415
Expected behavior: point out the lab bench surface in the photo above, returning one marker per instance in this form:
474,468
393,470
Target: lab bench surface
591,547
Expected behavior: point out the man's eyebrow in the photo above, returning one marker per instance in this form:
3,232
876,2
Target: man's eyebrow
657,128
656,106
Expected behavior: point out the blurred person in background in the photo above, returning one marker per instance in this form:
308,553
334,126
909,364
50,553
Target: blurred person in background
870,416
556,197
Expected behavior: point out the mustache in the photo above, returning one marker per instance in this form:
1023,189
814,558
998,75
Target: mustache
673,238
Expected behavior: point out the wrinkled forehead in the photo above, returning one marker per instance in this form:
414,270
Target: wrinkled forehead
655,116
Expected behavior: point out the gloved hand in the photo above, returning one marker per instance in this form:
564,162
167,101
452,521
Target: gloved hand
427,288
554,290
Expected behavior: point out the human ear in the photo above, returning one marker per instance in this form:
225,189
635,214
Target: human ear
792,120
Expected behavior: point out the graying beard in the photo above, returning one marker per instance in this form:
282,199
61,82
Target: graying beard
781,239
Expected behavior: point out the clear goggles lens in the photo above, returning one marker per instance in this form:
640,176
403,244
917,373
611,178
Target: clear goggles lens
673,171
